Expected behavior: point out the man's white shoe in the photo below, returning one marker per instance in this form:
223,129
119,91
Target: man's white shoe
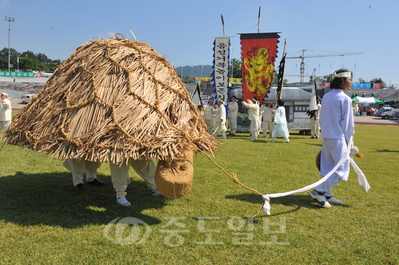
155,192
320,198
122,201
335,201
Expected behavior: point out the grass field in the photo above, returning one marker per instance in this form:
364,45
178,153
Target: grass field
43,220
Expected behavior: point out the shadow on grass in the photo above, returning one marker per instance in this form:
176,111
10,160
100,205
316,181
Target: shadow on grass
314,144
295,202
51,199
386,151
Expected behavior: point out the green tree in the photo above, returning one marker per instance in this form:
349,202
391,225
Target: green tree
28,54
33,64
235,70
378,80
4,58
187,80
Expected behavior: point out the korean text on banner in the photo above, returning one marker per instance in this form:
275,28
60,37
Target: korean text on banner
221,67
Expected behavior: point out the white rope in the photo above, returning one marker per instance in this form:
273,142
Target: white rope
360,175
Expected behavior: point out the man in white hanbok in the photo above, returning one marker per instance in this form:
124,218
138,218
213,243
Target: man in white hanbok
337,128
314,123
267,124
253,116
233,113
5,111
208,115
220,112
280,128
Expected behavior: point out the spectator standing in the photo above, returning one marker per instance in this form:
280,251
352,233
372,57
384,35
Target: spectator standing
208,115
233,113
5,111
280,128
220,112
314,123
253,116
267,124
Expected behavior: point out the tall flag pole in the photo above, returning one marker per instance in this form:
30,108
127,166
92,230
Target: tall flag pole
223,25
280,78
259,20
221,59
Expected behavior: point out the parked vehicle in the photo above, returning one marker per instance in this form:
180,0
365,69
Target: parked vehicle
26,98
236,90
296,104
388,112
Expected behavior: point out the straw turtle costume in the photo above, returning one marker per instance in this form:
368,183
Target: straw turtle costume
117,99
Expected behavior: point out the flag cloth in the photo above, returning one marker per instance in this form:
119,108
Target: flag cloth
393,97
280,77
258,54
369,100
221,67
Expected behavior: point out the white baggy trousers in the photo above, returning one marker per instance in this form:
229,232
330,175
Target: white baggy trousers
332,152
78,167
121,179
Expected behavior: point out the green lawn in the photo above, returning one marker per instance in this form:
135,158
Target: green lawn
43,220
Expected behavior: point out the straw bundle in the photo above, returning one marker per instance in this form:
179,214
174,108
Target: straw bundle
112,98
175,179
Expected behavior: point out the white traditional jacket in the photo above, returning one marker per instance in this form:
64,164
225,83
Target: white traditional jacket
233,110
5,110
253,113
208,112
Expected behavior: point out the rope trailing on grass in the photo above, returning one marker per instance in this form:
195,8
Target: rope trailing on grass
266,206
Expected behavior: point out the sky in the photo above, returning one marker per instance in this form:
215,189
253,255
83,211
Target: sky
183,30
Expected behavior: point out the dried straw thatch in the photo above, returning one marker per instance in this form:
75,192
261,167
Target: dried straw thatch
112,98
175,179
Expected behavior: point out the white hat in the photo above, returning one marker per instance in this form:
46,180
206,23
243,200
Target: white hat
4,93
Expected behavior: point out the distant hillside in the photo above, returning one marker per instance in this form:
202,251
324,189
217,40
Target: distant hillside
192,71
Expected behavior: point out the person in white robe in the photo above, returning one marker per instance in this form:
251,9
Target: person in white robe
314,123
208,115
220,112
233,113
253,116
280,128
267,115
5,111
337,128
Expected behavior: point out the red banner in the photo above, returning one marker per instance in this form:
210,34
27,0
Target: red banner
258,54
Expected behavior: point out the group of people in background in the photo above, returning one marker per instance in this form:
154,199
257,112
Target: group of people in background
336,126
264,118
